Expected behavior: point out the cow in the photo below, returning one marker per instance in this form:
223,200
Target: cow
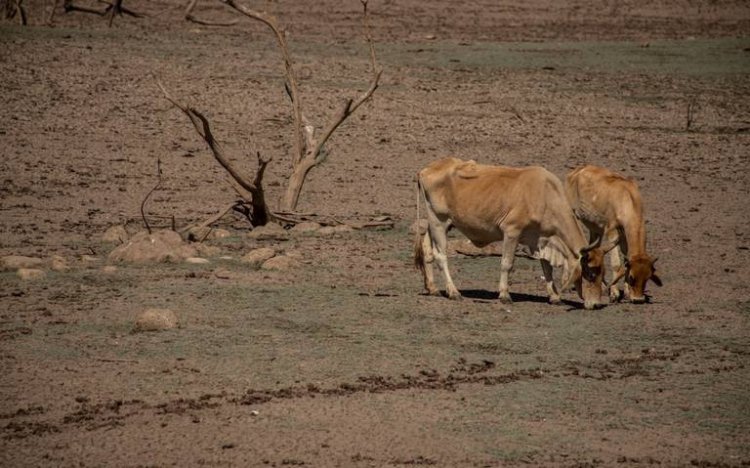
524,205
610,206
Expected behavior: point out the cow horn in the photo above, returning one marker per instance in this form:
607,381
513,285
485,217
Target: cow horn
591,246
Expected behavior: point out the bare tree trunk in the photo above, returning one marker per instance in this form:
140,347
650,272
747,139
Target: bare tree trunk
308,150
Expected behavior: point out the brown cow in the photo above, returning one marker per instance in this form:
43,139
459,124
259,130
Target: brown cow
491,203
610,206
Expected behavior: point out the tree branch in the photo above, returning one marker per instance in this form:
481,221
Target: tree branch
261,213
190,17
291,78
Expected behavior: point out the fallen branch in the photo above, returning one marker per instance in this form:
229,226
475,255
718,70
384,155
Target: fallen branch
190,17
112,9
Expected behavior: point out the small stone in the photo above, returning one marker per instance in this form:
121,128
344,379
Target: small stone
155,320
198,233
327,231
89,258
343,228
58,263
223,273
281,262
207,250
256,257
14,262
305,227
109,269
271,231
197,260
27,274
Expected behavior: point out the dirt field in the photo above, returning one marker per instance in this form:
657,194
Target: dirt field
340,360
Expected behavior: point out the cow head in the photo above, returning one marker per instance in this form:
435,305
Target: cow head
589,283
638,270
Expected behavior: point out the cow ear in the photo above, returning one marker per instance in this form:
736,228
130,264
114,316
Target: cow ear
656,279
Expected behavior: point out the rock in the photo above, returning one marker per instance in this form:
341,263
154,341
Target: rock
155,320
89,258
160,246
58,263
343,228
332,230
327,231
281,262
14,262
223,273
207,250
197,260
109,269
116,235
305,227
27,274
271,231
198,233
201,233
256,257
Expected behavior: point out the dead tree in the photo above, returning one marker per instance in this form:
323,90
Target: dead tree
190,17
258,214
309,148
15,9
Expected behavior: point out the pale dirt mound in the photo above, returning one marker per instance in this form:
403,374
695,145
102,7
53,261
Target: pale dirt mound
157,247
155,320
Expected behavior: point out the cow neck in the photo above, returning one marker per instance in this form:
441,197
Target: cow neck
635,234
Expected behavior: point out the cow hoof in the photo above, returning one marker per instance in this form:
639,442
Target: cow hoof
455,296
555,300
615,296
433,292
505,300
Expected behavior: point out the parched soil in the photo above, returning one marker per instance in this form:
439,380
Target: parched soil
338,359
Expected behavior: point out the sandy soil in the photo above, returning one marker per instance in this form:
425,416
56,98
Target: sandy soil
339,360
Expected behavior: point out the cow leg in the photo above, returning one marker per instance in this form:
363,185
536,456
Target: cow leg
427,261
506,265
615,262
554,295
438,234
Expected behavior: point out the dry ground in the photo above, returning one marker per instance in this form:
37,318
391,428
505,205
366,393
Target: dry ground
341,361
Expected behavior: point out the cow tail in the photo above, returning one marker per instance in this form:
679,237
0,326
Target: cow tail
419,252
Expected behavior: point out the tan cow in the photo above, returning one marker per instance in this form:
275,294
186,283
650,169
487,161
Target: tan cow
491,203
610,206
